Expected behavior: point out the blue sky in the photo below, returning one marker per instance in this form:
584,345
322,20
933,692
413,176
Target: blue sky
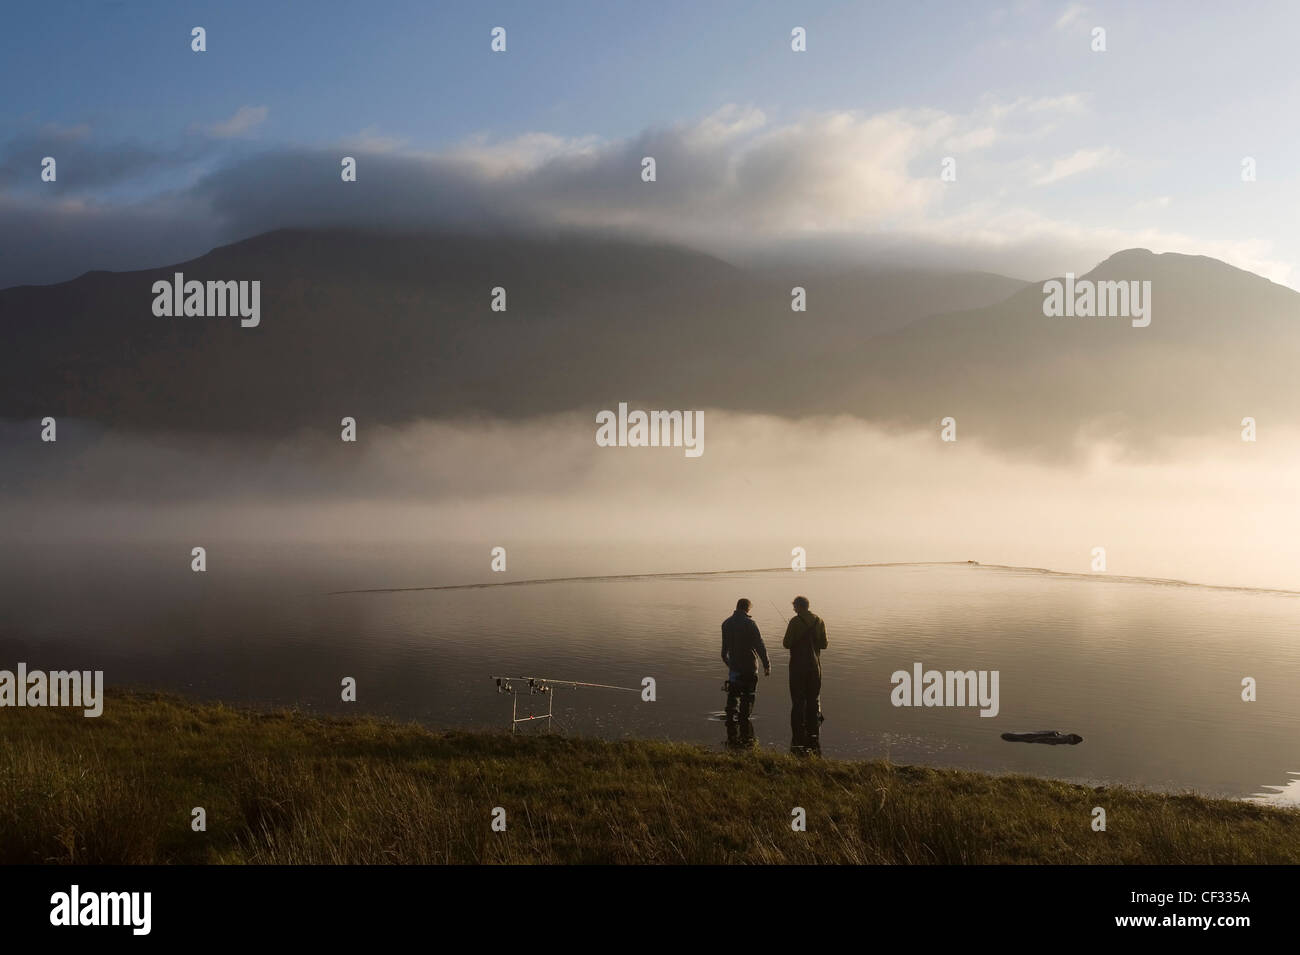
1062,153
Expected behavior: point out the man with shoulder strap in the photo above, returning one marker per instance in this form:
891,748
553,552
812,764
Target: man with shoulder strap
805,638
742,648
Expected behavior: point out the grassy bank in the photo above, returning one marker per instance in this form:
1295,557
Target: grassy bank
287,788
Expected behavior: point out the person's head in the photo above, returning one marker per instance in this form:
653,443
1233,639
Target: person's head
800,604
742,605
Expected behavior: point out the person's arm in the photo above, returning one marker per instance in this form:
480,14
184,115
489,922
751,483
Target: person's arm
790,631
724,645
821,634
761,648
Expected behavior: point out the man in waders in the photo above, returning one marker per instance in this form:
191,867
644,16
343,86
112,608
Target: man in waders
805,638
742,648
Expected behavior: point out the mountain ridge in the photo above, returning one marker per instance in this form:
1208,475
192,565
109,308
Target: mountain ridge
393,327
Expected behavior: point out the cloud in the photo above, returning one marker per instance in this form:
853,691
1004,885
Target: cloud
1155,203
370,140
43,242
517,156
1084,160
729,173
734,182
246,119
83,163
1065,104
1070,15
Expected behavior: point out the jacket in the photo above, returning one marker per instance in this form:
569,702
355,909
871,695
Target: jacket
742,645
805,638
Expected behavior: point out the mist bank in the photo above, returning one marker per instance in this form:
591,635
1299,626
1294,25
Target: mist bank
443,493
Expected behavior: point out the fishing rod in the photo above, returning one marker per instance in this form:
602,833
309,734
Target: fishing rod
544,686
777,611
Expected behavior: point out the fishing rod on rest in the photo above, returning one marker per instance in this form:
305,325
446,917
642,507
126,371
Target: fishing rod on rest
539,684
545,687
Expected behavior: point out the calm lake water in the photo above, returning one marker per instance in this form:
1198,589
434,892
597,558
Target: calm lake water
1148,673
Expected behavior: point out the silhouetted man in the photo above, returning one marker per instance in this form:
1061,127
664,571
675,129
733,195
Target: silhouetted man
805,638
742,648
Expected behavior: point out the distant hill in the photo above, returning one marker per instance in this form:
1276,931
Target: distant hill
392,327
1223,343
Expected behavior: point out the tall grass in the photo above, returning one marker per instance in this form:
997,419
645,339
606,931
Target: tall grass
288,788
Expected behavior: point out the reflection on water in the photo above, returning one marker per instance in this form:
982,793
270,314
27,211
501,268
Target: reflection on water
1149,673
